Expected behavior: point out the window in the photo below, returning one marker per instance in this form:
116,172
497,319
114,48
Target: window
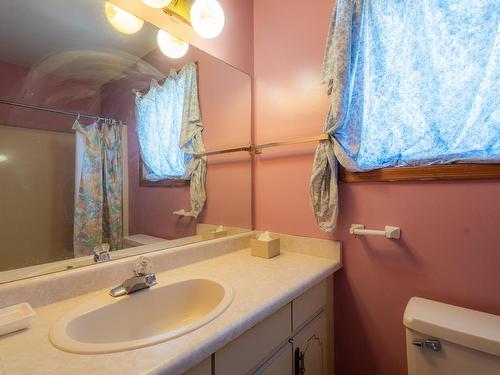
159,116
170,132
411,84
423,88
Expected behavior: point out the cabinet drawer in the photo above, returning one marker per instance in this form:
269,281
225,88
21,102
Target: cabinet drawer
308,304
247,351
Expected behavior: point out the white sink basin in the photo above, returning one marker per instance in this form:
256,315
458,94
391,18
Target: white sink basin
147,317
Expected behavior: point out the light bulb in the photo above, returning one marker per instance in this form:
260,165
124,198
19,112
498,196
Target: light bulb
207,18
157,3
122,20
171,46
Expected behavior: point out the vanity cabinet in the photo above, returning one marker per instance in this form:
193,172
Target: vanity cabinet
304,353
310,348
202,368
299,335
244,353
281,363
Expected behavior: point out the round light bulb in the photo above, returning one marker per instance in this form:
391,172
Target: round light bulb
157,3
122,20
171,46
207,18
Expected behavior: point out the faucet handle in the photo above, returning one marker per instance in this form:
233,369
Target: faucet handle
101,253
144,266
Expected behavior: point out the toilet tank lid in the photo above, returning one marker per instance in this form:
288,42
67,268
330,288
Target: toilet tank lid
469,328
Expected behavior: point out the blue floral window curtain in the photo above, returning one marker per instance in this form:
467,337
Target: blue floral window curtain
410,83
169,128
159,122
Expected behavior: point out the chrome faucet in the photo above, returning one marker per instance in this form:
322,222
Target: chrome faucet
143,278
101,253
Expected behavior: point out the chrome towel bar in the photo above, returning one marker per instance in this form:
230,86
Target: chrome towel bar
257,149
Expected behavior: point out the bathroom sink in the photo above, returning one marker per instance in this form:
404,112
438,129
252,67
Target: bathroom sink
163,312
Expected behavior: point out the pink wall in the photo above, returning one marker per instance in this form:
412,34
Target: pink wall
289,102
449,249
24,85
449,252
225,100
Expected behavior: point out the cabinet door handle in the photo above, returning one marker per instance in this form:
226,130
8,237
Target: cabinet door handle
299,362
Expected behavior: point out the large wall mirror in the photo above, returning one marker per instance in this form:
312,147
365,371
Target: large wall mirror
103,139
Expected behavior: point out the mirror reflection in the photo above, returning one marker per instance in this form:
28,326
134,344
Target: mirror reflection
103,138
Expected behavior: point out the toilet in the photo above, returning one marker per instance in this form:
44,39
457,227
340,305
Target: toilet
449,340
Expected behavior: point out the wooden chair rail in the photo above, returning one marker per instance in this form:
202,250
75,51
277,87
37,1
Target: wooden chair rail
162,183
446,172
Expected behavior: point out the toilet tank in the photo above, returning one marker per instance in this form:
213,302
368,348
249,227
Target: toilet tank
449,340
139,240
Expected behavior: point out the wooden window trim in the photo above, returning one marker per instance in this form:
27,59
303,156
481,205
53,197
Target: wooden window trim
178,182
445,172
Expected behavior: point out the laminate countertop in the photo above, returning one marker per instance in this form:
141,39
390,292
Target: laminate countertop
261,287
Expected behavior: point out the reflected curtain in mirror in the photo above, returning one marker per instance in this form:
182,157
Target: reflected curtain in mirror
159,121
99,187
169,128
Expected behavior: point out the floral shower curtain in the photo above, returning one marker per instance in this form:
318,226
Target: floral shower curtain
98,214
409,83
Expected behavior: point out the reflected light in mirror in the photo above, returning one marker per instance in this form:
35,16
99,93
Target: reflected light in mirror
122,20
171,46
157,3
207,18
3,158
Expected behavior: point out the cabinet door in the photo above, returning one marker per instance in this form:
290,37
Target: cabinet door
202,368
248,351
279,364
310,348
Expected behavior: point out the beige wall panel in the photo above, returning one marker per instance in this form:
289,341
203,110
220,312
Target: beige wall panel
36,196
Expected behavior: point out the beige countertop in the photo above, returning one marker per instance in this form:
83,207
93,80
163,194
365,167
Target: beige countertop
261,287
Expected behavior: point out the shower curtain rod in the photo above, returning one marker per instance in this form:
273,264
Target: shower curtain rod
61,112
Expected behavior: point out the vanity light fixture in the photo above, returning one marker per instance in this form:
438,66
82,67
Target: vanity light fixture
171,46
3,158
207,18
122,20
159,4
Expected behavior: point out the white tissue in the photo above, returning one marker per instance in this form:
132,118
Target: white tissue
220,228
265,236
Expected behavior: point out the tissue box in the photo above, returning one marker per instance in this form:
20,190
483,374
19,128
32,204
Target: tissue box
265,249
212,234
